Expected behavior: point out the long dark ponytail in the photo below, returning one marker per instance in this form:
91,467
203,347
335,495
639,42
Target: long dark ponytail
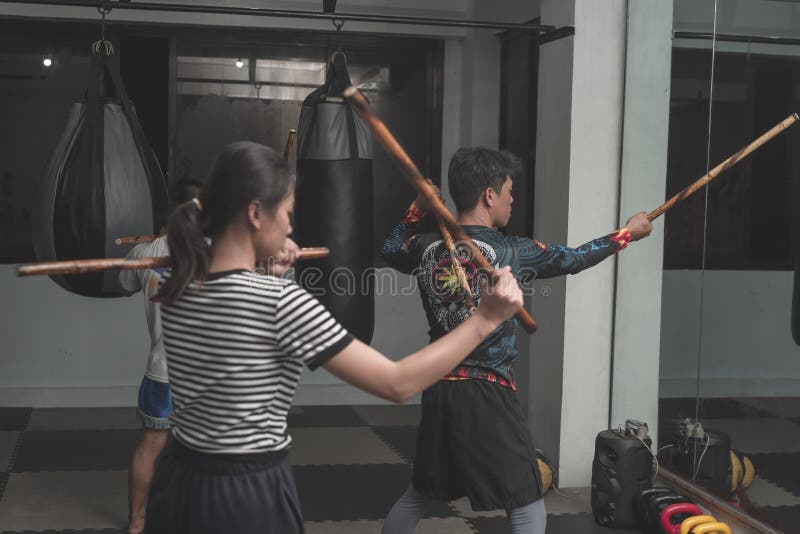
243,172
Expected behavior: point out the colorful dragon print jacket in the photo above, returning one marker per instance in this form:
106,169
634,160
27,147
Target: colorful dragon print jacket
426,257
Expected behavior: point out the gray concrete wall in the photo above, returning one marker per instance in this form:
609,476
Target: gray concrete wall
61,349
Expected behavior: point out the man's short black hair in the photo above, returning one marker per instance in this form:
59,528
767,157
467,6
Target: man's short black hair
473,170
186,188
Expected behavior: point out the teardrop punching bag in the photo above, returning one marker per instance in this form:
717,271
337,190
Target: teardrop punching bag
334,203
103,182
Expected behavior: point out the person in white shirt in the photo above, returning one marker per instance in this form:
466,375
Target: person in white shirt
155,398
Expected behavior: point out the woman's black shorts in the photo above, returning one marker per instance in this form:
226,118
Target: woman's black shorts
198,493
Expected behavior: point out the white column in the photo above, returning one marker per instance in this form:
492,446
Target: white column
581,82
637,332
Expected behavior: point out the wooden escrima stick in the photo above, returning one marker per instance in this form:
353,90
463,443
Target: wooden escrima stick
106,264
287,151
456,263
725,165
422,187
136,239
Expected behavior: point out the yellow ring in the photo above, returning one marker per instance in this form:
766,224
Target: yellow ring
708,528
691,522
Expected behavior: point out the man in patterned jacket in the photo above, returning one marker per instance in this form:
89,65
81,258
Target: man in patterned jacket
473,440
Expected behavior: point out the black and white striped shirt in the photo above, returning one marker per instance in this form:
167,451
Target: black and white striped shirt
236,344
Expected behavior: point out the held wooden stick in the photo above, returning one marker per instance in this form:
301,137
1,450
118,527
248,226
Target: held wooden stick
417,181
725,165
106,264
136,239
459,269
287,151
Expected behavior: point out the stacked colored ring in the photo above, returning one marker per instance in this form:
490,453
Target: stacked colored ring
671,516
698,520
712,528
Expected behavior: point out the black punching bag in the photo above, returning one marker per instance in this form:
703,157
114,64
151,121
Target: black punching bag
796,306
334,203
796,255
796,295
103,182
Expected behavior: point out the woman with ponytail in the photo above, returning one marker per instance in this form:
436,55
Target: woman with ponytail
236,343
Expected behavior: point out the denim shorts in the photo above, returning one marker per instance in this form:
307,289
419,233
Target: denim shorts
155,404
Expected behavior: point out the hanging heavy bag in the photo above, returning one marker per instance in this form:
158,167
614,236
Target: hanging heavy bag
103,182
796,305
795,317
334,202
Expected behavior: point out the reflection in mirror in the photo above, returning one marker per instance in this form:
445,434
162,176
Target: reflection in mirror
730,262
691,106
